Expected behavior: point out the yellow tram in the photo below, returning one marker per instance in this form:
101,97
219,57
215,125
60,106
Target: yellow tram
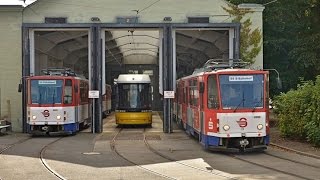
134,99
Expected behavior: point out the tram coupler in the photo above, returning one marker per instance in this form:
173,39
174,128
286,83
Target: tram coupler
243,143
45,128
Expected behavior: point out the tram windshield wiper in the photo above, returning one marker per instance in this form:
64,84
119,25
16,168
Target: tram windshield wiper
40,99
242,101
53,95
254,108
257,102
255,105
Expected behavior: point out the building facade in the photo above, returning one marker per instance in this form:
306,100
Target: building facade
17,22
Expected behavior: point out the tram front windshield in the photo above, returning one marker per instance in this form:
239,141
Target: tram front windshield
241,91
46,91
134,96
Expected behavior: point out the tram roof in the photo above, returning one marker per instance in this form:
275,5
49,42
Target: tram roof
226,71
133,78
235,71
56,77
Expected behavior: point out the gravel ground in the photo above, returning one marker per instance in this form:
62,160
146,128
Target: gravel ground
276,138
303,146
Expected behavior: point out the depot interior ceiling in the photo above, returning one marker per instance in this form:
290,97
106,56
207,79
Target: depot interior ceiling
128,46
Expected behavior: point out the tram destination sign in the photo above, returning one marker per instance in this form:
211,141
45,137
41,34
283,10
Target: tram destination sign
47,82
240,78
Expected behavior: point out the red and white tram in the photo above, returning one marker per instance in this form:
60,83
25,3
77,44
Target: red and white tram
58,102
226,108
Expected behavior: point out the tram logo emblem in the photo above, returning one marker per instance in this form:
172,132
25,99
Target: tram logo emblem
46,113
242,122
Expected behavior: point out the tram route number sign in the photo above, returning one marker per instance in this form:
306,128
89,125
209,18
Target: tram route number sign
168,94
94,94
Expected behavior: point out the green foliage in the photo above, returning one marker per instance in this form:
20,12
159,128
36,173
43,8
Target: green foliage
291,35
291,45
250,40
313,132
299,112
291,110
237,2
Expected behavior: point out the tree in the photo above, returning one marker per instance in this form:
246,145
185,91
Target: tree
291,35
250,40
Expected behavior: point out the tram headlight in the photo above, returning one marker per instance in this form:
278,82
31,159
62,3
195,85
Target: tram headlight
226,127
260,126
58,117
34,117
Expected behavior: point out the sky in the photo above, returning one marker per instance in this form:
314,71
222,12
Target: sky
15,2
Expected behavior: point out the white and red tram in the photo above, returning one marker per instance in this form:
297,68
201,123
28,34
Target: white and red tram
226,108
58,103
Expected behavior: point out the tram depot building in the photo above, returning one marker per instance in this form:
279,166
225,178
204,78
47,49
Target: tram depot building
101,39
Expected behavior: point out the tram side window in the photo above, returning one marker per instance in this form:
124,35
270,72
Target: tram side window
184,95
180,94
213,101
190,93
193,93
67,99
83,92
267,92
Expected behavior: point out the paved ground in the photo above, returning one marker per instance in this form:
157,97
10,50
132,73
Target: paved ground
139,153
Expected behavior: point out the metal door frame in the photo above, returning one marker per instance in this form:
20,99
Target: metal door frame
168,65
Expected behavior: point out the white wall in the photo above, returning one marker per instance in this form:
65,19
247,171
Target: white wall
10,64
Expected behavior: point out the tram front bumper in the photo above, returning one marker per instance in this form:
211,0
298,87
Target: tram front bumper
133,117
60,133
55,133
235,150
42,130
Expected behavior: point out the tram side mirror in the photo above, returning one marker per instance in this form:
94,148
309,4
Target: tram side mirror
20,87
201,87
279,83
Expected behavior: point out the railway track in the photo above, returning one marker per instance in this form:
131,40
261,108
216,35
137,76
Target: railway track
176,161
167,158
45,164
13,144
293,151
41,155
291,160
113,147
238,157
